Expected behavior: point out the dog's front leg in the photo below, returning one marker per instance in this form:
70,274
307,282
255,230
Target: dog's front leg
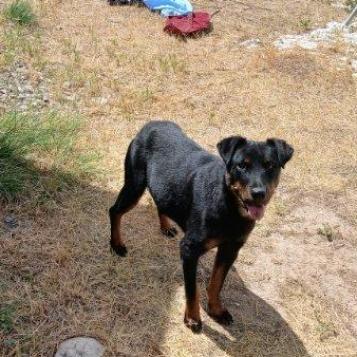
226,255
190,255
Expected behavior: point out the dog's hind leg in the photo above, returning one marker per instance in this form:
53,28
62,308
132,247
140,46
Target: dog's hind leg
133,189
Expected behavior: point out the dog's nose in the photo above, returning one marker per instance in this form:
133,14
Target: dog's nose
258,193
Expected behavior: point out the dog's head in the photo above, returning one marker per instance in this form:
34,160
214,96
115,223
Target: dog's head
253,170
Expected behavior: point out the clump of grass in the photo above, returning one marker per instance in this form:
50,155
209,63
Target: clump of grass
305,24
171,63
6,318
328,232
20,12
26,140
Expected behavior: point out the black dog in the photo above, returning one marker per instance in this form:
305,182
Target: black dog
215,202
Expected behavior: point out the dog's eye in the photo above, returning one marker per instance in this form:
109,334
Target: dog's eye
244,165
268,165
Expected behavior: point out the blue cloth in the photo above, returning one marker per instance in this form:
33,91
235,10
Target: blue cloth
170,7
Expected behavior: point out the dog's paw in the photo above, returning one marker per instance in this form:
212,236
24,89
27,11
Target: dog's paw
225,318
169,232
120,250
193,325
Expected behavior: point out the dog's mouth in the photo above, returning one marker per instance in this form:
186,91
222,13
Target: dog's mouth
254,211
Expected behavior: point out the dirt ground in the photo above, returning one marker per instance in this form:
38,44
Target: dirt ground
293,289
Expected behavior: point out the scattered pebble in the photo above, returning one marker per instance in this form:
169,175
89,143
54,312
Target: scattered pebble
18,91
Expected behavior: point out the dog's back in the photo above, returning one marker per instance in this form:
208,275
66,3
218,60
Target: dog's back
168,159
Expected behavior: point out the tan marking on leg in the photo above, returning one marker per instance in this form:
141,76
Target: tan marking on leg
211,243
165,222
214,289
116,224
116,235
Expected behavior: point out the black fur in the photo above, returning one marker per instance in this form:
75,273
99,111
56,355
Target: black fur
194,189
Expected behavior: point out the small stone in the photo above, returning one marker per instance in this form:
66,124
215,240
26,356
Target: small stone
46,98
252,43
354,65
80,347
10,222
27,89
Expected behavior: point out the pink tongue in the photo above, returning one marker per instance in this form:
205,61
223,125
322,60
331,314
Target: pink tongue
256,212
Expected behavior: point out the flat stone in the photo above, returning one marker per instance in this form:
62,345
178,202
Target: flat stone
80,347
10,222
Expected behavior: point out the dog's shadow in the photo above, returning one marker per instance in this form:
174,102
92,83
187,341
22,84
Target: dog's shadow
128,303
258,329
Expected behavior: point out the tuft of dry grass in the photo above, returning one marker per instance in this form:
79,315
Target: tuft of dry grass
58,278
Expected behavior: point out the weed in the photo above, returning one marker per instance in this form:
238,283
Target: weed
280,208
327,231
6,318
20,12
305,24
170,63
19,45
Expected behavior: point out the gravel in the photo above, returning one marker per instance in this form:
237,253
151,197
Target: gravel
18,91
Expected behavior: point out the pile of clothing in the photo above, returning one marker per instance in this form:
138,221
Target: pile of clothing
181,19
170,7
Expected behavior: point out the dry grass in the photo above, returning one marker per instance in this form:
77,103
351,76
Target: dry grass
116,67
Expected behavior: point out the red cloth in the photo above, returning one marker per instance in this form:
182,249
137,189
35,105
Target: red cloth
188,25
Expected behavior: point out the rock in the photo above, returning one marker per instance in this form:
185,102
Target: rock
293,41
27,88
332,32
46,97
80,347
10,222
354,66
252,43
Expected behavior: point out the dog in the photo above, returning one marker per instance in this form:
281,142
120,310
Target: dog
215,200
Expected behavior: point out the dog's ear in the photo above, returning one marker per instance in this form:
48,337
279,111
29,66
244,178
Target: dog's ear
228,146
283,149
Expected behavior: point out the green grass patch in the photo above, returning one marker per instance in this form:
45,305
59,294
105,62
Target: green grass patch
19,44
6,318
20,12
39,154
